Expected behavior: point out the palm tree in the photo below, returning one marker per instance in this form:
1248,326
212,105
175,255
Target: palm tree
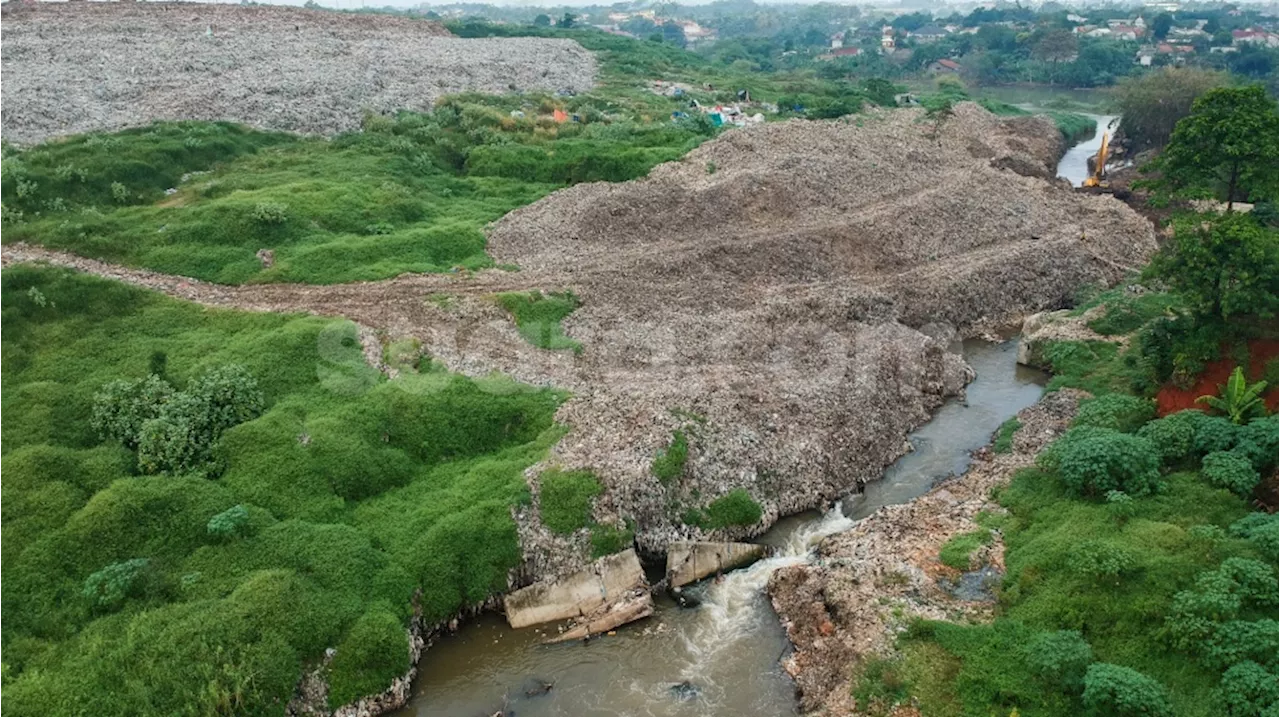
1239,400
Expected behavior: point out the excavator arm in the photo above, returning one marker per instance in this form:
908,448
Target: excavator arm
1100,163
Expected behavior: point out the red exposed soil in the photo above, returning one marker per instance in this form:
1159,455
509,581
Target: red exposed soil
1172,399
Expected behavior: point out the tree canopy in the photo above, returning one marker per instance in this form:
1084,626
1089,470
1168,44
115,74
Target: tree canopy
1226,148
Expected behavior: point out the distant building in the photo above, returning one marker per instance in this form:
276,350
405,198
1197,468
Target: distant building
1078,19
944,66
841,52
837,41
1254,36
928,33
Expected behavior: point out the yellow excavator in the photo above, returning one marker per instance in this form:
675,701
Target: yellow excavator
1099,165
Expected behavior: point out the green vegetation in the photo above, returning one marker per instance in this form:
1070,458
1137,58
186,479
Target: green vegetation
733,509
539,317
1003,442
565,499
332,501
409,193
669,463
610,539
1226,147
1238,400
955,553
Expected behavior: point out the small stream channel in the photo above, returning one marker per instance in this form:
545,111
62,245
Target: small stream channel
1074,165
727,650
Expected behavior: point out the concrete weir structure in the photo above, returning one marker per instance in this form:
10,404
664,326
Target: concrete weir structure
584,594
689,562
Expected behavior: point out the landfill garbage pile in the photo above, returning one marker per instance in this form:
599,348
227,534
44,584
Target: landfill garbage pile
785,294
81,67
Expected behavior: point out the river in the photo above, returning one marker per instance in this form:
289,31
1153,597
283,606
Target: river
1074,165
726,653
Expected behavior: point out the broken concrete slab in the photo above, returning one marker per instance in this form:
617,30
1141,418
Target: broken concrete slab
636,605
688,562
608,580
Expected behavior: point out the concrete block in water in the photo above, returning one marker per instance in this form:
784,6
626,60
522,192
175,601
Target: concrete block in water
689,561
607,580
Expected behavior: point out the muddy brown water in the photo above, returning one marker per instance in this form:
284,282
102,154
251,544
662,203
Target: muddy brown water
723,657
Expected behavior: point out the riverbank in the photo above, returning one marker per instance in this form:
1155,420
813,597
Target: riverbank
869,582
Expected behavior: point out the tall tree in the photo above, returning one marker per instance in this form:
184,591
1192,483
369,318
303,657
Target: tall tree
1161,25
542,20
1151,105
1224,267
1225,148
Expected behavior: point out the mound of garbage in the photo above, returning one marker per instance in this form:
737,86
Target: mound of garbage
785,296
79,67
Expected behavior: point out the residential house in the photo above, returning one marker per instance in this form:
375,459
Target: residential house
837,41
944,67
1126,32
1145,56
841,52
928,33
1254,36
1078,19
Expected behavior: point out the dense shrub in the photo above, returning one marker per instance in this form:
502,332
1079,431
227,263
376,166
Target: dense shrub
1259,442
1237,640
1116,691
232,522
1260,529
1004,437
121,407
565,499
1238,585
374,652
1247,690
175,432
1115,411
1213,434
1060,658
109,587
1102,560
1172,436
1230,470
539,317
1092,461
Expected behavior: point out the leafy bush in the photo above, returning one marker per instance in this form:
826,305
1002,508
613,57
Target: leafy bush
1092,461
175,432
232,522
269,213
1121,506
1238,400
669,463
1222,595
1260,529
1247,690
1259,442
374,652
1172,436
1099,560
1237,640
121,407
956,551
1115,411
1116,691
565,499
109,587
1060,658
1230,470
1213,434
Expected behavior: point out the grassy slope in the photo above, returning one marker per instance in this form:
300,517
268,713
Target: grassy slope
972,669
360,490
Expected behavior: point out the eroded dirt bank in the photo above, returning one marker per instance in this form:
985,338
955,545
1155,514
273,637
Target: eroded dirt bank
869,581
80,67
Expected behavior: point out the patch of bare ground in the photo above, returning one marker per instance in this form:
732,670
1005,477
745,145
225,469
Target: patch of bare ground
868,581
